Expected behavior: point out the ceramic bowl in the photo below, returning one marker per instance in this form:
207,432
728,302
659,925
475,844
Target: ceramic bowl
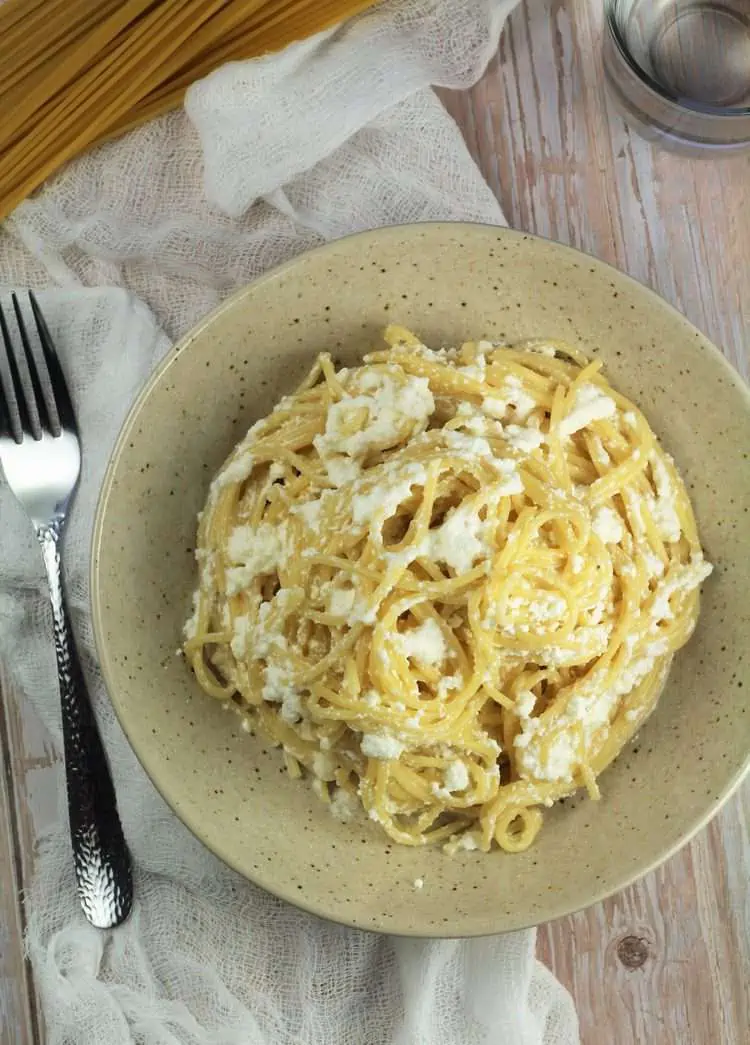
448,282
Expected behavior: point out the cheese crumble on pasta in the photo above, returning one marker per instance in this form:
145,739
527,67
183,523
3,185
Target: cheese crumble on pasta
447,584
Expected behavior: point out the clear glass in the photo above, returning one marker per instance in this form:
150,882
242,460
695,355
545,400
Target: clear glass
680,70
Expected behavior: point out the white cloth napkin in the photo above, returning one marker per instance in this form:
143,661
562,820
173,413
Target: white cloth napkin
141,238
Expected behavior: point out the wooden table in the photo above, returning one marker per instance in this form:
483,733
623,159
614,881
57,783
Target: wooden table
667,962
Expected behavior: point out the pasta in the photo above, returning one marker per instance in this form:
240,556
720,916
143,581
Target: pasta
448,584
83,71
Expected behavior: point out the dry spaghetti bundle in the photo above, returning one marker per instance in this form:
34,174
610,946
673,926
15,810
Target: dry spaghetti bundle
74,72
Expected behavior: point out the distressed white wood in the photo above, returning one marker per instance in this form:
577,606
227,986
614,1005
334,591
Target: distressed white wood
28,805
666,962
14,986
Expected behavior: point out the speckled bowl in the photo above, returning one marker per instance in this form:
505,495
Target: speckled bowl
448,282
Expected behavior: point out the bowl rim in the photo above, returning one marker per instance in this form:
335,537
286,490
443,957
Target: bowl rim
193,822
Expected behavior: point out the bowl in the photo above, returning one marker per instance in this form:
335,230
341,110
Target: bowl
448,282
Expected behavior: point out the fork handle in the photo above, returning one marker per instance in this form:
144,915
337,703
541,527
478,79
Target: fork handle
100,854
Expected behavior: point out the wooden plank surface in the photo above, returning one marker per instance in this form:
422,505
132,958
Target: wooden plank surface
666,962
28,805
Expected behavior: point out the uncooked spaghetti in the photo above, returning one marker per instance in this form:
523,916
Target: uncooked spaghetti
74,72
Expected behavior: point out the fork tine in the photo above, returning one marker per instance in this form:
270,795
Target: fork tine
6,428
40,399
60,395
15,405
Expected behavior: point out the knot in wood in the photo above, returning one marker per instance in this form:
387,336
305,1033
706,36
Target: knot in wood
632,951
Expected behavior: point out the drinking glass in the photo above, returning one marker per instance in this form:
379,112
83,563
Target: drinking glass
680,70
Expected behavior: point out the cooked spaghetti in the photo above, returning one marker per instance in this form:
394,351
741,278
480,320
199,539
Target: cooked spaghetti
448,584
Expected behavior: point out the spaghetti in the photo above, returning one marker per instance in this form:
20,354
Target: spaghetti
448,584
77,72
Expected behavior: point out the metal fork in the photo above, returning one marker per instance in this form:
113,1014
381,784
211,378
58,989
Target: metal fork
41,457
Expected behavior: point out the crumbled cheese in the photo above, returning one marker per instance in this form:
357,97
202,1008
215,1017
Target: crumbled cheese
448,683
470,445
654,565
468,842
513,396
262,638
324,766
392,406
457,777
425,643
291,708
546,607
341,601
680,580
607,525
457,542
590,404
190,628
240,636
518,397
207,563
475,446
524,439
278,688
310,513
599,454
477,370
383,499
511,485
586,642
630,419
477,425
237,471
253,551
418,883
663,507
344,805
341,469
242,462
435,355
560,759
371,698
494,407
636,671
383,746
577,562
406,555
525,703
590,709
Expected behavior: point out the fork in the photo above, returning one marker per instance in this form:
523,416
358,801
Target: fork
41,457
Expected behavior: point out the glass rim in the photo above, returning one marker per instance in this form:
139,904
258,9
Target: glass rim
686,105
